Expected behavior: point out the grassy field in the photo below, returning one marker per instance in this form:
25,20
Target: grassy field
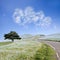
45,53
26,49
5,43
53,39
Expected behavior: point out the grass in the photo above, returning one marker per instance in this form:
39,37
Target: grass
53,39
5,43
45,53
26,50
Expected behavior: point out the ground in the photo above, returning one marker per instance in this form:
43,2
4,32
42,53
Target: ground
26,49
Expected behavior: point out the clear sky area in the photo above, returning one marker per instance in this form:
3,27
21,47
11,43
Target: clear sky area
29,16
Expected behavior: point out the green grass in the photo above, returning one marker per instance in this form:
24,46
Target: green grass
5,43
45,53
26,50
53,39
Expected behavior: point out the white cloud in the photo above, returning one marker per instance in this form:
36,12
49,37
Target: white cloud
40,14
28,16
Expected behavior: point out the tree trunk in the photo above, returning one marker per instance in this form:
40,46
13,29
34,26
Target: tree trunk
12,40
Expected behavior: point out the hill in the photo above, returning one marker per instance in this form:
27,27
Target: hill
27,36
53,36
26,50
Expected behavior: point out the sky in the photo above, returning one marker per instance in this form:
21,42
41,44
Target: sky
29,16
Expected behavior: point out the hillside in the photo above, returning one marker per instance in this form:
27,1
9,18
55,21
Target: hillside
26,50
27,36
54,35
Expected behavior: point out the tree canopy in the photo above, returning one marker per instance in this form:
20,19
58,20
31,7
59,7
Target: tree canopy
12,35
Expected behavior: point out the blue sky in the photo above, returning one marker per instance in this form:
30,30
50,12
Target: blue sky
29,16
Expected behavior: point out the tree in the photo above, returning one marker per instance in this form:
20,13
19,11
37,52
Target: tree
42,35
12,35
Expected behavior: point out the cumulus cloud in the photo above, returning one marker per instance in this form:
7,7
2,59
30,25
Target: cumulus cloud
29,15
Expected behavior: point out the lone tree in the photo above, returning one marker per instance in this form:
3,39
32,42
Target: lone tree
12,35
